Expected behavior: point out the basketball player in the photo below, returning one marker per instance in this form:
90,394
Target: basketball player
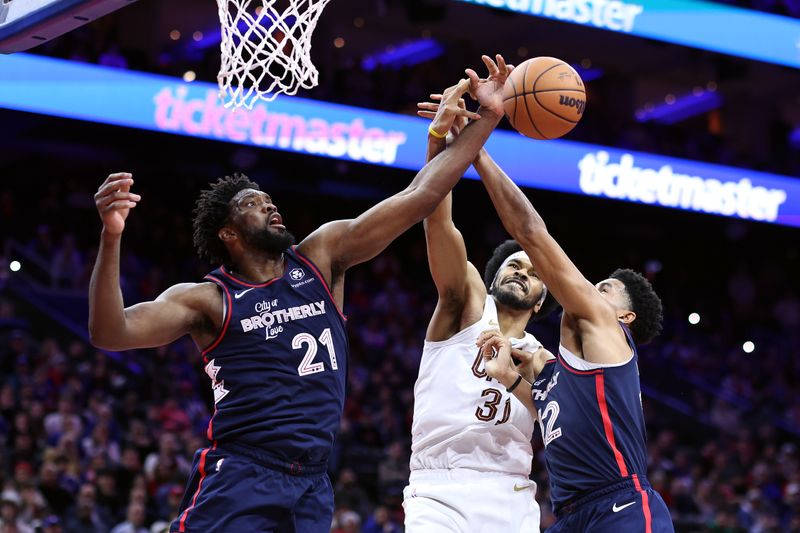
471,438
588,398
271,331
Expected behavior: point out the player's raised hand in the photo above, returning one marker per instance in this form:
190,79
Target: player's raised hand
114,200
524,363
448,110
496,351
489,91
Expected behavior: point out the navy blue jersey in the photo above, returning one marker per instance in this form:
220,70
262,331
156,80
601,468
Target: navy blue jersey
592,425
279,366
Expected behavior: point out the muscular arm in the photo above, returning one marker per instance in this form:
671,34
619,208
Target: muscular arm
177,311
573,291
344,243
114,327
339,245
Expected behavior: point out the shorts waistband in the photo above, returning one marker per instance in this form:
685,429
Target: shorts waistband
293,468
584,498
462,474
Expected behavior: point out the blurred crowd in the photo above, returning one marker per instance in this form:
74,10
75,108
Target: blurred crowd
92,443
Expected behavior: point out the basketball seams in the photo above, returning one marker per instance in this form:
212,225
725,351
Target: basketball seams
538,123
562,90
510,119
545,71
550,111
527,108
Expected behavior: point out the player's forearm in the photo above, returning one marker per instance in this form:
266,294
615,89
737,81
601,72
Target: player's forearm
522,392
443,212
441,174
515,210
435,147
106,307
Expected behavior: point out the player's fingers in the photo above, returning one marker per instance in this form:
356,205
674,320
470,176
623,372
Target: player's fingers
426,114
501,64
117,196
110,186
435,96
522,355
428,106
468,114
117,176
473,78
491,66
121,204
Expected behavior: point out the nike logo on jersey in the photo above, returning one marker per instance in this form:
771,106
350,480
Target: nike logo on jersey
242,293
493,322
518,488
621,507
219,464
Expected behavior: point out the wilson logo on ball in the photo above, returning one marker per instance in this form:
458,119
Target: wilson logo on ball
572,102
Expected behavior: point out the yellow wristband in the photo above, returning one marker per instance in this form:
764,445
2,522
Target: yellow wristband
436,133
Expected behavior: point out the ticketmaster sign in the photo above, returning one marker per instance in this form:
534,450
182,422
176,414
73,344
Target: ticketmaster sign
694,23
158,103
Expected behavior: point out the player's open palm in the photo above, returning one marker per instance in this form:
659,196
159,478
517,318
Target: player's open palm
489,91
496,351
114,200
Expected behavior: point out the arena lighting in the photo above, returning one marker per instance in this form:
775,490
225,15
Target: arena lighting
681,108
694,318
404,54
748,347
696,23
15,266
159,103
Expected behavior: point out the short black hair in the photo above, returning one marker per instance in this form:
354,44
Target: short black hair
493,265
211,212
645,303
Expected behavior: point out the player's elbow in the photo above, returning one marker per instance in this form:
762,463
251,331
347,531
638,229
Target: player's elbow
100,338
531,234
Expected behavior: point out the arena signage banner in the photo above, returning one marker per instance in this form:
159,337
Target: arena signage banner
694,23
158,103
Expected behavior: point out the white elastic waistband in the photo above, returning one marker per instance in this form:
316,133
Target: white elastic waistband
463,474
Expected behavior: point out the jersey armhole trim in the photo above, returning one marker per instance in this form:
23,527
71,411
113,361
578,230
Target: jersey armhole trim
313,267
228,304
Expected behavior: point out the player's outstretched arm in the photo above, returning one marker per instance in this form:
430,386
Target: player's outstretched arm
496,351
573,291
339,245
111,326
447,253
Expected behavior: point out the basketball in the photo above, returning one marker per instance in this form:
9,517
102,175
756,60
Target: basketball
544,98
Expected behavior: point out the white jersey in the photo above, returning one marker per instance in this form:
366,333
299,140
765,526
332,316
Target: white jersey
462,417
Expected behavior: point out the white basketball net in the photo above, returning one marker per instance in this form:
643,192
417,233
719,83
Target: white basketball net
266,48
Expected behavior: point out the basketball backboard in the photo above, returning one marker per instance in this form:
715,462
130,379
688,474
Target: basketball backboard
25,24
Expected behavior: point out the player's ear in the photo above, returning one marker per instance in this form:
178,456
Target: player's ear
626,317
226,234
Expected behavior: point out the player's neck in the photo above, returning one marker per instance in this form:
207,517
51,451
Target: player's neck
258,267
512,321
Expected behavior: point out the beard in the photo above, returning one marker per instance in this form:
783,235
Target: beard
511,299
266,240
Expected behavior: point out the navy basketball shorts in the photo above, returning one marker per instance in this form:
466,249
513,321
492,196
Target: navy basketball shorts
621,507
232,492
